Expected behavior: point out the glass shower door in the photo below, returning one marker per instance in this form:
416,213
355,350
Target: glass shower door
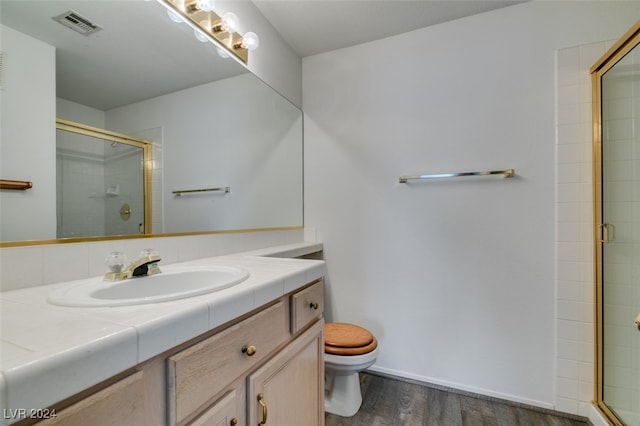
619,234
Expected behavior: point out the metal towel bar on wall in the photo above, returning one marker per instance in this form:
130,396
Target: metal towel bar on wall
226,190
15,184
506,173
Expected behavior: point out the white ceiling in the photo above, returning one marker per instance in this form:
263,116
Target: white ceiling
140,54
316,26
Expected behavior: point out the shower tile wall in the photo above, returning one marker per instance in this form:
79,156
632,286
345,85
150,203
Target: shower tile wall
574,234
125,174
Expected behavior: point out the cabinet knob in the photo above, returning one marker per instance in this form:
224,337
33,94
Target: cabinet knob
233,422
313,305
249,350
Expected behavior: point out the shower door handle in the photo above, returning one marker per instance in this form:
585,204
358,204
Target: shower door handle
607,233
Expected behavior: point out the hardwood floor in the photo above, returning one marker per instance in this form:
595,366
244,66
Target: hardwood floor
391,402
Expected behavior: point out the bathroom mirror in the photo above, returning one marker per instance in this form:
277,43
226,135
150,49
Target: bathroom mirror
213,124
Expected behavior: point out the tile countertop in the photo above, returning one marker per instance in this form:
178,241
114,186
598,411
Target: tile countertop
48,352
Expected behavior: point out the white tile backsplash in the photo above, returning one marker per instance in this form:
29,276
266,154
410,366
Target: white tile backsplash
65,263
23,267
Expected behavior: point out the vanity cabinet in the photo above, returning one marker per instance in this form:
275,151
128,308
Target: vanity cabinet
226,412
122,403
267,365
266,369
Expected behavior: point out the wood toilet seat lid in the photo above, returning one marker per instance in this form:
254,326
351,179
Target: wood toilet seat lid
347,339
346,335
337,350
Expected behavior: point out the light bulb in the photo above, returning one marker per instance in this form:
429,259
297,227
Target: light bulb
174,16
205,5
222,53
200,36
230,22
250,41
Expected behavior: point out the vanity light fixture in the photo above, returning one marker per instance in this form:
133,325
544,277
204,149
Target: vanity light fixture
203,5
209,26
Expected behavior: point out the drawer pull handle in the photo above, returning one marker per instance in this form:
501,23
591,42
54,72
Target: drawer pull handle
263,405
233,422
313,305
250,350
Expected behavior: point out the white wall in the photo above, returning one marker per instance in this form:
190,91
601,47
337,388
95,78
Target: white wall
456,278
274,61
68,110
27,137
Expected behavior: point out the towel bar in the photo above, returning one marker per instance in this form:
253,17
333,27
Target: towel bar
507,174
226,190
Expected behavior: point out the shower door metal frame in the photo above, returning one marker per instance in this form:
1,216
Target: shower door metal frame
623,46
115,137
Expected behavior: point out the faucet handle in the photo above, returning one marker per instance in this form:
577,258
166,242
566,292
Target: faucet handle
148,252
116,261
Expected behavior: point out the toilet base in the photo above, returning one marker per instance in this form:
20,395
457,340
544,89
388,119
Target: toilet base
343,396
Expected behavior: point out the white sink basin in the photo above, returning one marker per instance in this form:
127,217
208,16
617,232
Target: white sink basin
175,283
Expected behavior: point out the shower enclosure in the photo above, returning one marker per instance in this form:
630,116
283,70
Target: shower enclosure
616,101
102,184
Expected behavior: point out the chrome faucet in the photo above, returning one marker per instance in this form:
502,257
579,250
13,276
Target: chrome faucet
146,265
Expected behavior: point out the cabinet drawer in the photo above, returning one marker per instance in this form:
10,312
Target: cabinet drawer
306,306
198,373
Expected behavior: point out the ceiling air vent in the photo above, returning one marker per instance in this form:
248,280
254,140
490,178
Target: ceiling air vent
77,22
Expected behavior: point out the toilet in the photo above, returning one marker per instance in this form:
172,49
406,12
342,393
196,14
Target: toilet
348,349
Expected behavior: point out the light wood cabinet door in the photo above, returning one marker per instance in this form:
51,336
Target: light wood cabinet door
289,388
222,413
122,403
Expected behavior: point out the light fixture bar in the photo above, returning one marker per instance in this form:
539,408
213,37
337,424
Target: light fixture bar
230,41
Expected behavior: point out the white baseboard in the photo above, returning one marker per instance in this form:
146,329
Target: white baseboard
461,387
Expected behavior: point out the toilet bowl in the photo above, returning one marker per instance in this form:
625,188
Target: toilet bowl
348,349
